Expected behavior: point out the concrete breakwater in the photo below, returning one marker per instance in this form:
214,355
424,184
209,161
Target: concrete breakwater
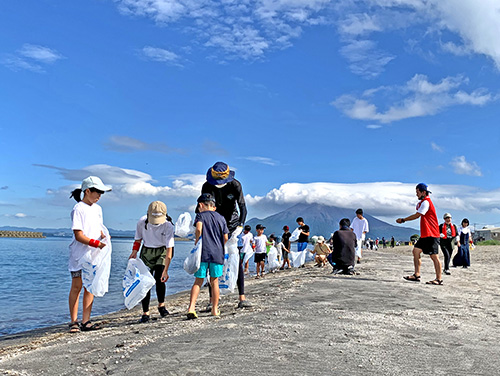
21,234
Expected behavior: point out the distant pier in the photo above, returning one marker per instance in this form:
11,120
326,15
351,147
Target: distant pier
21,234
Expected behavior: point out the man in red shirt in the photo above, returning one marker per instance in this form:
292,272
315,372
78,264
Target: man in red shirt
429,235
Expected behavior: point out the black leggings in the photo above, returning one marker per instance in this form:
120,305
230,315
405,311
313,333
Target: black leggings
447,249
157,271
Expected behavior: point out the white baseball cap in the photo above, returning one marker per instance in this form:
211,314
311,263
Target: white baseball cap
94,182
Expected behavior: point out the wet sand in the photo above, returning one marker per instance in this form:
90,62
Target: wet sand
304,322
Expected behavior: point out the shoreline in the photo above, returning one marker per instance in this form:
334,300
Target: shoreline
303,321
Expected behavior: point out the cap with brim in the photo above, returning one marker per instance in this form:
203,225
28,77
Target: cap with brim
423,187
94,182
219,174
157,213
248,228
205,197
321,239
446,215
260,227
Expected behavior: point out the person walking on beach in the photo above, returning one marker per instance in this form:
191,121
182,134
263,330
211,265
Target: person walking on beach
285,239
462,258
449,235
228,195
214,229
157,234
260,242
428,243
343,256
303,237
360,227
246,238
87,225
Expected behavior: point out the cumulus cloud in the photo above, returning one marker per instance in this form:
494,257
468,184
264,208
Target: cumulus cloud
462,167
126,144
31,57
419,97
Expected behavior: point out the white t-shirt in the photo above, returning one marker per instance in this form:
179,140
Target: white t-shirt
247,239
423,207
87,218
155,236
260,243
359,226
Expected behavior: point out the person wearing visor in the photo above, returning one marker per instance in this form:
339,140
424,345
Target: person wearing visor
449,236
230,203
428,243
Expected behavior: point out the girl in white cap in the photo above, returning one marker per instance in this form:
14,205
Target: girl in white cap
87,232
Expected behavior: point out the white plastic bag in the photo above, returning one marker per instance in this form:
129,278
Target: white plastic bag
309,255
231,263
137,281
183,226
272,259
96,266
297,258
295,235
193,260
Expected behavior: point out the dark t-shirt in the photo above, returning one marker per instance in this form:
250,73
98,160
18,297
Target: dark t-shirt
228,200
212,234
344,248
303,238
285,239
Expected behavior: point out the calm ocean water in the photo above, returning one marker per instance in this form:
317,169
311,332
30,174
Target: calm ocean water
35,282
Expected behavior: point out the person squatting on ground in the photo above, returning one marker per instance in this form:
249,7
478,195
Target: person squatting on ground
229,198
343,256
428,243
212,226
87,225
449,235
285,239
360,227
320,252
156,231
462,258
260,241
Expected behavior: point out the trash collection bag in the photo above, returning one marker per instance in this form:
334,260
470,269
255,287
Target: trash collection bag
183,226
297,258
295,235
272,259
193,260
309,255
96,266
137,281
231,263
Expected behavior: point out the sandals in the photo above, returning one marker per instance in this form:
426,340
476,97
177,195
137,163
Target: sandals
413,278
74,327
88,326
216,314
192,315
435,282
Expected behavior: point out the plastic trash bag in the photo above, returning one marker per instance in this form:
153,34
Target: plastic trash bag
272,259
183,225
193,260
137,281
96,266
231,263
309,255
295,235
248,255
297,258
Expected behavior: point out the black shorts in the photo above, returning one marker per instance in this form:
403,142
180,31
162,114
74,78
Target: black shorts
429,246
260,257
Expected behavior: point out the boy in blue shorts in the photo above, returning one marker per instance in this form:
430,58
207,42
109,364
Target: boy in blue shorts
214,229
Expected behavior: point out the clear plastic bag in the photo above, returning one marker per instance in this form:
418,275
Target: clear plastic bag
295,235
137,281
96,266
183,225
193,260
231,263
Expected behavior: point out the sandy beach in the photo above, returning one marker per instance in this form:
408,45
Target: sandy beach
304,322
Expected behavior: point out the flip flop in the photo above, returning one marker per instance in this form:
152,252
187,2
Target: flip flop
192,315
412,278
435,282
217,314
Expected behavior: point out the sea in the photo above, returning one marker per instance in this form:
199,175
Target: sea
35,281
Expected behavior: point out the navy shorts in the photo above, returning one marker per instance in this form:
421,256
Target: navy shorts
429,246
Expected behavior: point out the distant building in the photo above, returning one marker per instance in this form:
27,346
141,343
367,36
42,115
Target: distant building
492,233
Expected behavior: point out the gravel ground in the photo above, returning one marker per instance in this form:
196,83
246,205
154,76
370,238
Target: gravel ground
304,322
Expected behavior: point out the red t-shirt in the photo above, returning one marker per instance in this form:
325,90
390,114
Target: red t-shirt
429,225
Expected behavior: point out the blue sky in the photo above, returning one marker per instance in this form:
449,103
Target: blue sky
349,103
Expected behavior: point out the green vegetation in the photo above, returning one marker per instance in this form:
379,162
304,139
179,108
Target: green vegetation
489,242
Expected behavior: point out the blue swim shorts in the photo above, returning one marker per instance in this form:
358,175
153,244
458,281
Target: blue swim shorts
214,269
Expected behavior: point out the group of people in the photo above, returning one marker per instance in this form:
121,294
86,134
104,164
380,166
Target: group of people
220,210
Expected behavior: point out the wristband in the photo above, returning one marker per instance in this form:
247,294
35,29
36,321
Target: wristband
94,243
402,220
136,246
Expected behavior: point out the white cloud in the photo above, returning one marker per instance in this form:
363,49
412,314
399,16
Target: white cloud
31,57
365,59
462,167
436,147
40,53
263,160
418,98
373,126
127,144
161,55
20,215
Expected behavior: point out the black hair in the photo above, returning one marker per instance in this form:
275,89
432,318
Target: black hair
465,220
300,219
169,219
359,211
96,190
345,222
76,194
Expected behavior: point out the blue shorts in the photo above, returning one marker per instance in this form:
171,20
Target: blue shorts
301,246
214,269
